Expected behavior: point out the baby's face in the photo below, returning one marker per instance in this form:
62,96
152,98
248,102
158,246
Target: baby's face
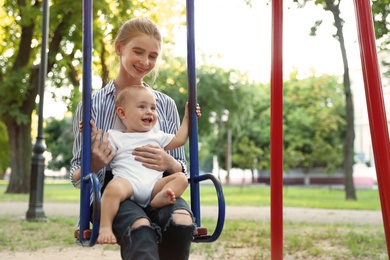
140,112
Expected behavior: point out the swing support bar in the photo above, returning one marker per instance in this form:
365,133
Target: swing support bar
375,106
89,180
90,186
194,157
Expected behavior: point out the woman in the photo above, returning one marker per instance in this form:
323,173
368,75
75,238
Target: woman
142,233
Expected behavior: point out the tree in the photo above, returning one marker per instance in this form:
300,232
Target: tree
4,152
217,89
314,123
381,16
247,155
20,32
333,6
59,139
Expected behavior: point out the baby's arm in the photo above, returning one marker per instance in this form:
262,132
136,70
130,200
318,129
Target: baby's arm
182,134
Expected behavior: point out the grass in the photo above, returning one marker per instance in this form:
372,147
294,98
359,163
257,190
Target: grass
240,239
253,195
251,240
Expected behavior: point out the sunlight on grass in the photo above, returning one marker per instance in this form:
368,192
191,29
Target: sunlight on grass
246,239
292,197
253,195
240,239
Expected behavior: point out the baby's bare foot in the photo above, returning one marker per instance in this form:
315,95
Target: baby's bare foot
106,236
163,198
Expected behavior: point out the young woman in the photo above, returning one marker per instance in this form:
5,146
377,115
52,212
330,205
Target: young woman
142,232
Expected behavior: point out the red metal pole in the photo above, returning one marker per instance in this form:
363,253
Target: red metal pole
375,106
277,131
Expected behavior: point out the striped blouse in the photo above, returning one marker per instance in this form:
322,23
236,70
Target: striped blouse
103,114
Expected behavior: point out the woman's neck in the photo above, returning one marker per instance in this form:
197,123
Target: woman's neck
121,82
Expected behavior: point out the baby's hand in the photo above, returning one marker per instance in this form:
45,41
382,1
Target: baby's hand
81,126
197,111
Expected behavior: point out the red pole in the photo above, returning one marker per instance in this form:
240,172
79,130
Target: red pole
277,131
375,106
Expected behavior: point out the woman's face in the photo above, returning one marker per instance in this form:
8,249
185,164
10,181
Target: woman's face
139,56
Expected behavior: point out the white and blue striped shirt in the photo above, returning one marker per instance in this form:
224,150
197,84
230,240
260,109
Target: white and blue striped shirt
103,114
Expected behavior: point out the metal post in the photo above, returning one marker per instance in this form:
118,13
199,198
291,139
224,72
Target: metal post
192,101
375,107
85,216
228,160
35,211
277,131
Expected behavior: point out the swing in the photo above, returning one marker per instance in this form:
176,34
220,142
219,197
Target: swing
86,235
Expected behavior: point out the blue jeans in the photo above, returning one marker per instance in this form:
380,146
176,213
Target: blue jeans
164,239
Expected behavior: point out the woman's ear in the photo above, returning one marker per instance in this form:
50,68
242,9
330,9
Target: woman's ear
118,48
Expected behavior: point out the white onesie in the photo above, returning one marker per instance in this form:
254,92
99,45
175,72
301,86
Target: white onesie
124,166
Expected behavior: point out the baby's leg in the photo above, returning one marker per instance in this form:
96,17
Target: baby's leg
117,190
167,189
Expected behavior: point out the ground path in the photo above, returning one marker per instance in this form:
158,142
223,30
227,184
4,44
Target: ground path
324,216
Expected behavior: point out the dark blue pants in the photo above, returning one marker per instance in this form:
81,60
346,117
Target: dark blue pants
163,239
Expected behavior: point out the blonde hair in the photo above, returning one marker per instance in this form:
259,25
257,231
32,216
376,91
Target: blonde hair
126,94
136,27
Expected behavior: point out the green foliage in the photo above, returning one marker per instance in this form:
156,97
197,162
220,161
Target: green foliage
381,15
59,140
247,154
314,123
217,89
4,151
314,116
21,37
234,196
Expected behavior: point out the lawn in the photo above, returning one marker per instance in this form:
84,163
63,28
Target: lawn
240,239
251,195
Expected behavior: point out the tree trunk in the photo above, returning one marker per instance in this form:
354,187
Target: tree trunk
350,193
21,149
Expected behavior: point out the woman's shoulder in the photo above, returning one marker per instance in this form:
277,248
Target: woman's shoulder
162,97
99,96
107,90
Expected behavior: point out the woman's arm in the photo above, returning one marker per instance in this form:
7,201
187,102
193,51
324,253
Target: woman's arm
156,157
101,154
76,160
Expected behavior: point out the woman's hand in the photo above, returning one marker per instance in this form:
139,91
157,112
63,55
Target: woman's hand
102,151
156,158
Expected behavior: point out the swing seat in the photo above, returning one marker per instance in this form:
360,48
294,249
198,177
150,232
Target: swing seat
89,236
86,234
200,231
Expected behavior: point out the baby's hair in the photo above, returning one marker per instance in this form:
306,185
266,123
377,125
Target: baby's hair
125,94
